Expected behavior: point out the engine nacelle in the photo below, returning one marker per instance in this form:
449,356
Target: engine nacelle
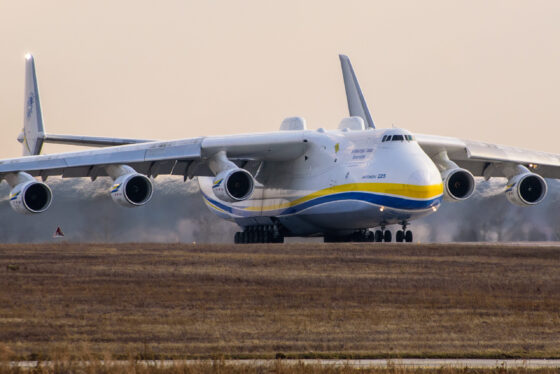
233,185
526,189
30,197
458,184
132,190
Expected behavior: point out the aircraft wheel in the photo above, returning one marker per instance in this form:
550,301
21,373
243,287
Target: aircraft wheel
408,236
400,236
378,236
236,237
387,237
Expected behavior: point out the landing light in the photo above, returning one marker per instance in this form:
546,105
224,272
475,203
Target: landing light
28,56
434,208
381,208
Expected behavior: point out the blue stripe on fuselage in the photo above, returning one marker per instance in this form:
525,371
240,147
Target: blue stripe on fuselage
372,198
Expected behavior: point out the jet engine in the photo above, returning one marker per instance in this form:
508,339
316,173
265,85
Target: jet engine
233,185
458,184
132,190
30,197
526,189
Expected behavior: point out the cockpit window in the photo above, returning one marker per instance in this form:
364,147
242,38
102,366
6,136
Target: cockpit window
389,138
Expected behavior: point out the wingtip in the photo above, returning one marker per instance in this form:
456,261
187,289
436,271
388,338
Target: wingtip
343,57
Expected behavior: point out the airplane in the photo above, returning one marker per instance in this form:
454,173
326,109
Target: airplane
347,184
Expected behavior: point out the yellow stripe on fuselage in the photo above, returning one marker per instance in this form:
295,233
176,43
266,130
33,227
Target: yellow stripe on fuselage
212,205
397,189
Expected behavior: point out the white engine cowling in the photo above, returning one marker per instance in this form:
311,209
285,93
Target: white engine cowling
233,185
526,189
458,184
131,190
30,197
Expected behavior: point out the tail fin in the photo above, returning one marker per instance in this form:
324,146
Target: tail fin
357,105
33,132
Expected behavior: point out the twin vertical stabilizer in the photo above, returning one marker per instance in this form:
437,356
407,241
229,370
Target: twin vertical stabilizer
33,132
34,135
357,105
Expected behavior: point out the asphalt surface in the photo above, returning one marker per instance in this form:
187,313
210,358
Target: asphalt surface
364,363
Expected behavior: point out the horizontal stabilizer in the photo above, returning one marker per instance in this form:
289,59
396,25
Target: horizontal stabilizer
90,141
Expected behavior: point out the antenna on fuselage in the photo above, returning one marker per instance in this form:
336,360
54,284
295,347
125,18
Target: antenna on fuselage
357,105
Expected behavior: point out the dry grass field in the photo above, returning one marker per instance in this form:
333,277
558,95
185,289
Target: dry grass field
300,300
219,367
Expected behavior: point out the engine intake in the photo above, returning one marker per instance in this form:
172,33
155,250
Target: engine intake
233,185
526,189
458,184
30,197
132,190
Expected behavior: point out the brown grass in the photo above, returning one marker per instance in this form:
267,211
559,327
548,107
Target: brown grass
304,300
220,367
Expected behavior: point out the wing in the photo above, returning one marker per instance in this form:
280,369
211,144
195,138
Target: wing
478,157
185,157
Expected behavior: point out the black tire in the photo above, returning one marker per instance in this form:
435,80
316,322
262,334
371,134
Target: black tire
370,236
408,236
399,236
387,236
236,237
378,236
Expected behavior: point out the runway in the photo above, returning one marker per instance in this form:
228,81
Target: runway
409,363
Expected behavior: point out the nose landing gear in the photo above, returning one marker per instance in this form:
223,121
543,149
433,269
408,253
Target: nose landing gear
364,235
404,234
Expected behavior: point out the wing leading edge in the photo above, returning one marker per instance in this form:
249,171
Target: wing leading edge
482,158
179,157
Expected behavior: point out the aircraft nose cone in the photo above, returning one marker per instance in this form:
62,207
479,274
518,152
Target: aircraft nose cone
425,176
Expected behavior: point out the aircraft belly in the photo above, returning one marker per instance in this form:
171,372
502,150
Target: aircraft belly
356,214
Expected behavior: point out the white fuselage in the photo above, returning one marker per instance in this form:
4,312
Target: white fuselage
345,181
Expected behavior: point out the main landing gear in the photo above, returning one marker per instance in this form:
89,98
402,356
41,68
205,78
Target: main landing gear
259,234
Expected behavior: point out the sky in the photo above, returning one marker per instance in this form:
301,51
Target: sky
480,70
